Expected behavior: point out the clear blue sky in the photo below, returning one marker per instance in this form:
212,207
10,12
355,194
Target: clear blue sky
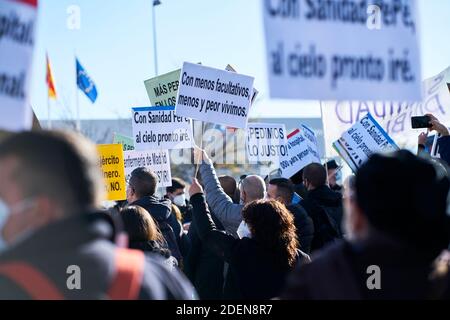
115,45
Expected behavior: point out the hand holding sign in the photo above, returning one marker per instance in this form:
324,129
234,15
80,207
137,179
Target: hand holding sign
195,188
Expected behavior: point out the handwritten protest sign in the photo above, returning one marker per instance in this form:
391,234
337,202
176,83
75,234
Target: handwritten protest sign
266,142
17,24
363,139
159,128
156,160
394,117
302,150
162,90
126,142
214,95
111,162
343,50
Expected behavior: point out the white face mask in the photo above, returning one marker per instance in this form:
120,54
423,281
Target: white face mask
243,230
180,200
5,212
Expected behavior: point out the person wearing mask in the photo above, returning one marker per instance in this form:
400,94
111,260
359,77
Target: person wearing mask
334,175
141,192
282,190
397,225
144,234
176,194
51,226
229,213
263,257
323,205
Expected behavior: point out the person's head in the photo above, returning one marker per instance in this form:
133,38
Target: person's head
139,225
272,225
176,192
252,188
281,189
332,172
400,195
177,212
229,185
46,176
314,176
142,183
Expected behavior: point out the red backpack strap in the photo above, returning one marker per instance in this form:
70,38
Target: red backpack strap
129,272
37,285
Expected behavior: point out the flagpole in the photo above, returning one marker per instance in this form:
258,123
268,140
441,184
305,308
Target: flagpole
77,102
49,120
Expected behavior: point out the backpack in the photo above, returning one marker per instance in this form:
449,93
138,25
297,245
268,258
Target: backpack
126,285
171,240
326,229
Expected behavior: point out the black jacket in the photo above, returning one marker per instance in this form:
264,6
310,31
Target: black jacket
324,206
304,225
203,267
161,211
340,271
256,272
85,240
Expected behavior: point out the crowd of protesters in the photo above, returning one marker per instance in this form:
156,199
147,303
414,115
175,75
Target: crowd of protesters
307,237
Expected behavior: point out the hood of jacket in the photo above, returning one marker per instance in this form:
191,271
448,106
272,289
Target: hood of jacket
325,196
159,209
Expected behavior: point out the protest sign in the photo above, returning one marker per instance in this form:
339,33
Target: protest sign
111,162
363,139
159,128
394,117
126,142
162,90
302,150
266,142
17,24
157,161
214,95
343,50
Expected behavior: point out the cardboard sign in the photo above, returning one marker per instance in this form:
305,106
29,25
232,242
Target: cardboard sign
394,117
266,142
343,50
111,162
362,140
302,150
17,24
162,90
214,95
160,128
126,142
156,160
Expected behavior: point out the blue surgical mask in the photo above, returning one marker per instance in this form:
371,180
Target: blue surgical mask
338,175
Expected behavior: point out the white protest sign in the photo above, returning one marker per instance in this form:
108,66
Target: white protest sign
214,95
266,142
394,117
302,149
17,24
362,140
160,128
157,161
342,50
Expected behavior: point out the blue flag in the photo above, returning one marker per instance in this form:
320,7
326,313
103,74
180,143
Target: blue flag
85,83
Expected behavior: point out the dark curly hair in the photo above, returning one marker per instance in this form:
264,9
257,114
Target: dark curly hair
272,226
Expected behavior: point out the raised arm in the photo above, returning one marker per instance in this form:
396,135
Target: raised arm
218,241
220,203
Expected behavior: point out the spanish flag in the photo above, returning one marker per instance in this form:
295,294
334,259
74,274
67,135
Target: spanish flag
50,81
